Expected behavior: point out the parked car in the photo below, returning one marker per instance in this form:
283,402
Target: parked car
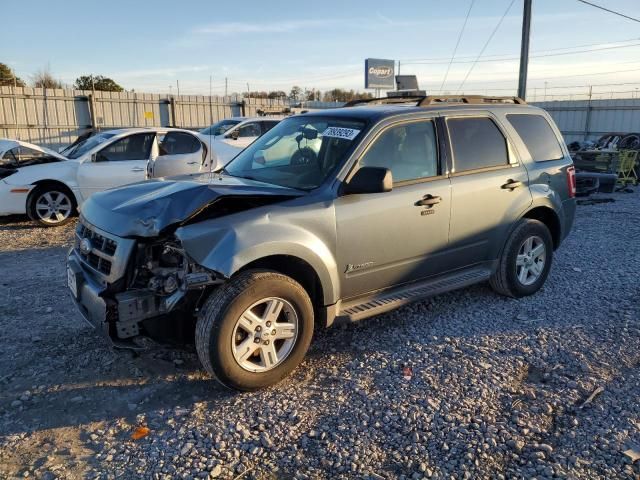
223,140
376,207
50,187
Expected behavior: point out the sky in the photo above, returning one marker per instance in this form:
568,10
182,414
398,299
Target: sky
269,45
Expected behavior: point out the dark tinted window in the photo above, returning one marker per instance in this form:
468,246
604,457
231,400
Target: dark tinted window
133,147
176,143
476,143
409,151
266,126
536,133
250,130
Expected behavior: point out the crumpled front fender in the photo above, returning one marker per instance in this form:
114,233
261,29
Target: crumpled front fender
228,248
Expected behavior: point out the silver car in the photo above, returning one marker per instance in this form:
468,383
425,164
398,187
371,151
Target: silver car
330,216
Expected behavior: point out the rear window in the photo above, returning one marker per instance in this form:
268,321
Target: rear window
476,142
537,135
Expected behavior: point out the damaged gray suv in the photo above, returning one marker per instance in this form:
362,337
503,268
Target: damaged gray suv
330,216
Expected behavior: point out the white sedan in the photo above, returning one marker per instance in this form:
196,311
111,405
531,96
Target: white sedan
50,187
224,140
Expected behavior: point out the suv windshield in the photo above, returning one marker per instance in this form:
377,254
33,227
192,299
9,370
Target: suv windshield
85,145
299,152
220,127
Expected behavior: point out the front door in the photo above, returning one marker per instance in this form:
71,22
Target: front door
178,153
122,162
391,238
489,188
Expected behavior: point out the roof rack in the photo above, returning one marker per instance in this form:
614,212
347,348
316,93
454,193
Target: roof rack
423,101
385,100
468,99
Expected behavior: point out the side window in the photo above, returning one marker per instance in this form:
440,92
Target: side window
22,154
250,130
409,151
537,135
266,126
133,147
476,142
178,143
12,154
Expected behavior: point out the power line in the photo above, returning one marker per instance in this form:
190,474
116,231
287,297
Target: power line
508,59
486,45
457,44
610,11
584,45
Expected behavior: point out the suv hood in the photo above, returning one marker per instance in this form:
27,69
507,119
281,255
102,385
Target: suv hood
148,208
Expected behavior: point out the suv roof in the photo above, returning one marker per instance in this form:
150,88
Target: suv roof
377,108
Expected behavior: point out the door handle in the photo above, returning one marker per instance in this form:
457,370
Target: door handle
511,185
191,163
428,201
137,169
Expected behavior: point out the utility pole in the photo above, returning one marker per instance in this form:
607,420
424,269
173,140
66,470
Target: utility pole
178,86
524,49
226,84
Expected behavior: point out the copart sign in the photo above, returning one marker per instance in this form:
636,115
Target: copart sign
379,73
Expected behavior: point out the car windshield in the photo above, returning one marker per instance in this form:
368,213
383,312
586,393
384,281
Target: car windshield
220,127
85,145
299,152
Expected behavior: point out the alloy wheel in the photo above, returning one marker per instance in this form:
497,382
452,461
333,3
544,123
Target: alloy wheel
53,207
530,260
265,334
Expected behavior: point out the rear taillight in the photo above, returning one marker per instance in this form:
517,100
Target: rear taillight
571,181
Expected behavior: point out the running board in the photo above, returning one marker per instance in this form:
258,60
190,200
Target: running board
382,302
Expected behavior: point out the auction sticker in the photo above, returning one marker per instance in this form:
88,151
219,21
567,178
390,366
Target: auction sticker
341,132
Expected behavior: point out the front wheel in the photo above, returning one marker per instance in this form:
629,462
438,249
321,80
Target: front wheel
254,330
525,261
51,205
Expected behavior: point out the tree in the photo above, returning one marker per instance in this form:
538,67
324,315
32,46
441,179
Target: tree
97,82
311,95
8,78
274,94
296,93
44,79
340,95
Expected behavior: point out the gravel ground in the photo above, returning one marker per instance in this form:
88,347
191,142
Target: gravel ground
467,385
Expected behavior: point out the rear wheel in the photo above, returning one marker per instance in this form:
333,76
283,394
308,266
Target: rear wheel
254,330
525,261
51,205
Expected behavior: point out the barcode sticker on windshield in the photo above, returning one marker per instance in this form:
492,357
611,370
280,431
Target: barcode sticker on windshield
340,132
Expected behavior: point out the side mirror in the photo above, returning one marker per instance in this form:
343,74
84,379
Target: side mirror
98,157
370,180
258,157
234,135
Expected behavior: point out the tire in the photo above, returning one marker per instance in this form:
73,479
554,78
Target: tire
51,205
508,278
220,334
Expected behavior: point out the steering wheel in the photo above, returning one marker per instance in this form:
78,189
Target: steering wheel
304,156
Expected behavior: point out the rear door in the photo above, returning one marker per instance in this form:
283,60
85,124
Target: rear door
387,239
489,187
121,162
178,153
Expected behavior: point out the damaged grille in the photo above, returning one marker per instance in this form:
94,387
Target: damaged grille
95,249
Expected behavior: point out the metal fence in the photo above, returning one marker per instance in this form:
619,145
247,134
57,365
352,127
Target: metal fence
590,119
56,117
